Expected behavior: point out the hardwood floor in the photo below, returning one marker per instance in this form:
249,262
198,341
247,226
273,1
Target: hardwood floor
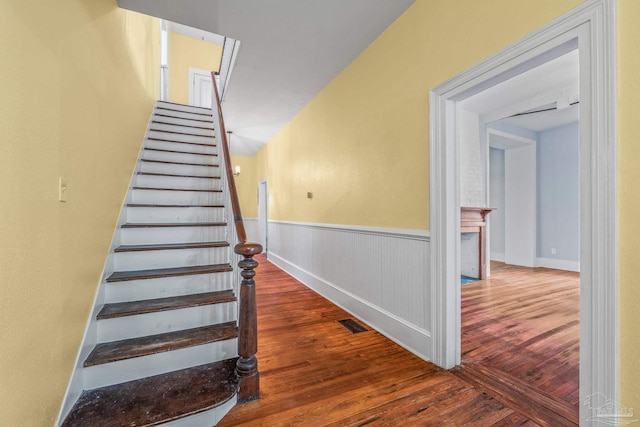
315,372
521,327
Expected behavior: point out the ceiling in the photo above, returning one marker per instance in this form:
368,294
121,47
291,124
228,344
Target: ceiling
541,98
289,51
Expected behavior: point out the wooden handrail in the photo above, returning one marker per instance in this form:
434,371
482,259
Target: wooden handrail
247,365
235,203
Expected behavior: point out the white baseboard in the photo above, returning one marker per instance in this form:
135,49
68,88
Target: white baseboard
497,256
414,339
558,264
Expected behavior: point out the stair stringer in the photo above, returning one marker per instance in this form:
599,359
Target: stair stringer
90,338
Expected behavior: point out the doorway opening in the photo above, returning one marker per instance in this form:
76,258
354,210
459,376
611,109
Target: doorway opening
200,88
519,155
590,29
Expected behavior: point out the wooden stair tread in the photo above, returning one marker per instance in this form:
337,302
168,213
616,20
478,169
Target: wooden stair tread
179,176
151,344
181,118
165,246
154,400
181,142
181,133
148,205
120,276
182,125
518,394
177,104
176,189
180,152
180,163
130,308
172,224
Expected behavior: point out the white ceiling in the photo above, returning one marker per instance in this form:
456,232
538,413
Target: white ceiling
195,33
540,88
290,50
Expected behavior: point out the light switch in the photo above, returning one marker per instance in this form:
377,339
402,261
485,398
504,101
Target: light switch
309,195
62,189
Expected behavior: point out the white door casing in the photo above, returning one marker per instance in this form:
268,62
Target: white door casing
200,88
590,26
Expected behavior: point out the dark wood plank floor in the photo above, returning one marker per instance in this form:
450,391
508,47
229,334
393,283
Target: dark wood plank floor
315,372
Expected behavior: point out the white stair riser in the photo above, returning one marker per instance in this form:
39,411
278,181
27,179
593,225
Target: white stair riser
197,123
177,146
184,108
154,167
154,133
158,235
167,197
167,321
182,129
156,181
180,157
206,418
155,364
147,260
172,214
135,290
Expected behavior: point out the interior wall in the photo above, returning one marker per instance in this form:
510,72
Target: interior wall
558,151
472,161
247,185
78,81
185,52
628,32
520,229
496,196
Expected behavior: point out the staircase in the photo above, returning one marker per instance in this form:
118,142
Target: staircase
167,347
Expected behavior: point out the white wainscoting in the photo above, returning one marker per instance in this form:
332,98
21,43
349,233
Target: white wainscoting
379,275
251,228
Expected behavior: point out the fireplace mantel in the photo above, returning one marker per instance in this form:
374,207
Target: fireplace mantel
473,220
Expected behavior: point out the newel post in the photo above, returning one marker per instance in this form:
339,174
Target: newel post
247,365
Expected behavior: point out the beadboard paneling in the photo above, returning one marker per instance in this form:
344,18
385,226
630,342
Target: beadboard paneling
379,275
251,228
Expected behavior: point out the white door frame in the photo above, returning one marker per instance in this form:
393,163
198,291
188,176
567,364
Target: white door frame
164,61
592,26
193,72
263,214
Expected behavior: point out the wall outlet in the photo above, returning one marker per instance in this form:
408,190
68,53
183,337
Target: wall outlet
62,189
553,251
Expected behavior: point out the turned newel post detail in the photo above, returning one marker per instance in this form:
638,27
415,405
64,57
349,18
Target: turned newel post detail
247,365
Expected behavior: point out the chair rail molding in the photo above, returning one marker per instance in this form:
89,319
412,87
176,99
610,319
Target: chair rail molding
589,27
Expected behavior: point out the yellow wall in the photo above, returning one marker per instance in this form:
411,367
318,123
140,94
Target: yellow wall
629,200
247,185
361,145
78,80
185,52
